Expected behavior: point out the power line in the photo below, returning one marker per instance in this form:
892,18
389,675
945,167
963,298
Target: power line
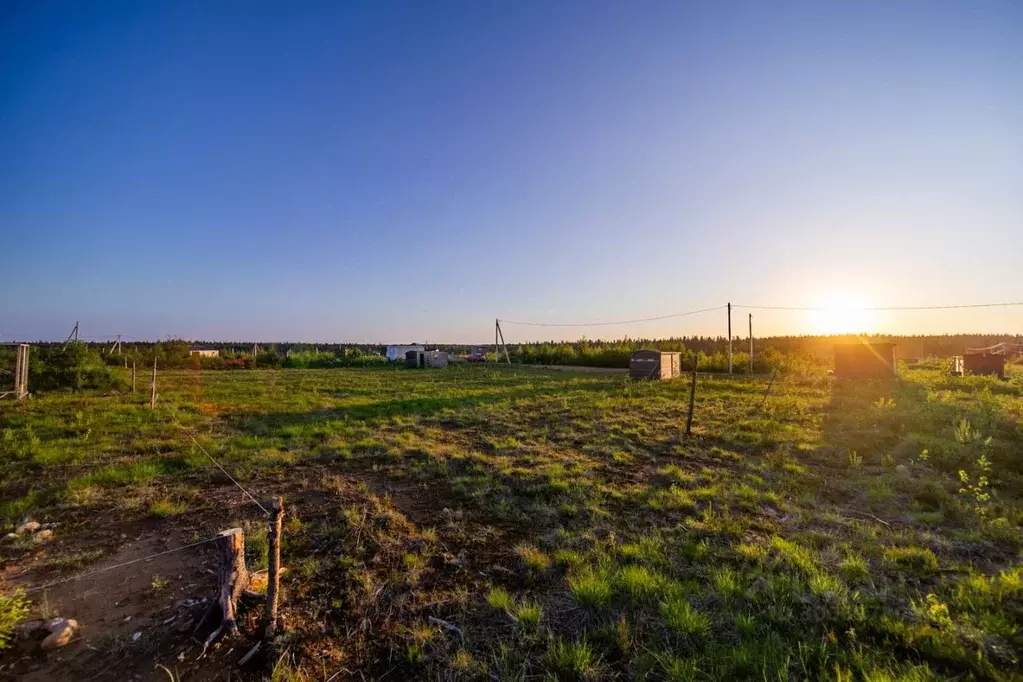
880,308
121,565
602,324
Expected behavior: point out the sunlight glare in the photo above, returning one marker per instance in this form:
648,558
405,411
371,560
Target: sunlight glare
841,314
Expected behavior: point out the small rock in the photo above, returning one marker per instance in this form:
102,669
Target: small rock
181,657
135,637
11,536
31,628
43,536
902,470
27,527
62,635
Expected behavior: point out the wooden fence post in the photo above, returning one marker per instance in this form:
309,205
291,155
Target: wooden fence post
21,372
692,397
152,391
133,377
769,385
234,579
273,584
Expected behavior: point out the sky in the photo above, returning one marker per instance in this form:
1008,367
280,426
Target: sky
396,171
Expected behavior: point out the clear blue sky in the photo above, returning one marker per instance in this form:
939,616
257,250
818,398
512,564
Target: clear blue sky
392,171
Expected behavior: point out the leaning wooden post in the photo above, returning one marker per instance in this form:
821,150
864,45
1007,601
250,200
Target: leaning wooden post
152,388
692,397
273,583
132,376
769,385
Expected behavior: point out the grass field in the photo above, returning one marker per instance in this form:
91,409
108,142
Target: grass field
485,523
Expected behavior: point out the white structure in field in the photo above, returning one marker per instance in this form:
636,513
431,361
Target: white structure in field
398,352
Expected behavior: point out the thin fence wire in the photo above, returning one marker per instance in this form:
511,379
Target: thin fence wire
89,574
199,445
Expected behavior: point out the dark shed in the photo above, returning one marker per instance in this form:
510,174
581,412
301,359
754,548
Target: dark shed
414,358
654,364
867,359
984,363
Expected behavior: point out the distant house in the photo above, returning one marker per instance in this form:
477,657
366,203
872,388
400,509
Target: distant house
395,353
204,351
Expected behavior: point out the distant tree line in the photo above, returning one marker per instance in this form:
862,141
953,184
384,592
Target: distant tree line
78,366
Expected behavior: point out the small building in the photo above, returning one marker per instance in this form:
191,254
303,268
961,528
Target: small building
984,363
204,351
395,353
434,359
864,360
654,364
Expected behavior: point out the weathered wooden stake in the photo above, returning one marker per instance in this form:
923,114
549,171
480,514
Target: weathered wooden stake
273,584
152,388
729,338
751,344
234,578
769,385
21,372
692,397
132,376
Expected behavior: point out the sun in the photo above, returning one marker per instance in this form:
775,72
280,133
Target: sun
842,314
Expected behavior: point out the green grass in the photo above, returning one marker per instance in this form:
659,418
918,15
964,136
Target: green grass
679,616
561,523
572,661
592,587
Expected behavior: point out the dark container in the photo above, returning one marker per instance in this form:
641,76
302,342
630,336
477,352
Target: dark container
654,364
984,363
863,360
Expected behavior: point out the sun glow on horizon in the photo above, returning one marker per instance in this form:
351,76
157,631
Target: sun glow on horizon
842,314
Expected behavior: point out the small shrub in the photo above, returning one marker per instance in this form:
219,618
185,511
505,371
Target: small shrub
13,609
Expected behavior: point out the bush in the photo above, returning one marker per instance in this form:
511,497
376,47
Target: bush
76,367
13,609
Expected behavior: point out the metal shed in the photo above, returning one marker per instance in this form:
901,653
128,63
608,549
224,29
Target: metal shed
435,359
426,358
984,363
655,364
863,360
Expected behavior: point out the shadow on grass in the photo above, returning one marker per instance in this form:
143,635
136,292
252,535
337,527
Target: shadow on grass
270,424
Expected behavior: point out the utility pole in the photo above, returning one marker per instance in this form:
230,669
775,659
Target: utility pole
503,344
751,344
116,346
497,349
729,338
74,333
